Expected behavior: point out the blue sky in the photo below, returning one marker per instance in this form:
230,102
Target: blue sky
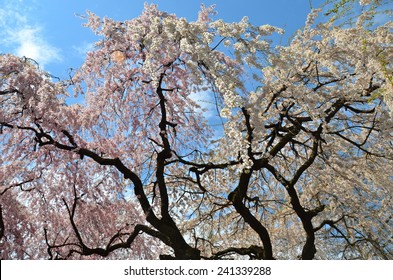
50,31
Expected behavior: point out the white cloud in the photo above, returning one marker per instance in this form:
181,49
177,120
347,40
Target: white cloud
31,44
20,35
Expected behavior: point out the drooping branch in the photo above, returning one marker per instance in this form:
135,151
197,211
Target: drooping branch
20,185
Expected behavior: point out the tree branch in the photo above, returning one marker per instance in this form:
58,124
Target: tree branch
254,252
2,227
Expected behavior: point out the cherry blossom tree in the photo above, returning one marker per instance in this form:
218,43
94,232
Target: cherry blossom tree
293,161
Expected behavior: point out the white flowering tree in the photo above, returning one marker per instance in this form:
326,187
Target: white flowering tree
296,163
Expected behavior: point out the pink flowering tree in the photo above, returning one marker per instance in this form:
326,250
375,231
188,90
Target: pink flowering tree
294,159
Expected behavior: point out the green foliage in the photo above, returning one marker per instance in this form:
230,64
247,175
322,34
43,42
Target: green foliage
346,12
